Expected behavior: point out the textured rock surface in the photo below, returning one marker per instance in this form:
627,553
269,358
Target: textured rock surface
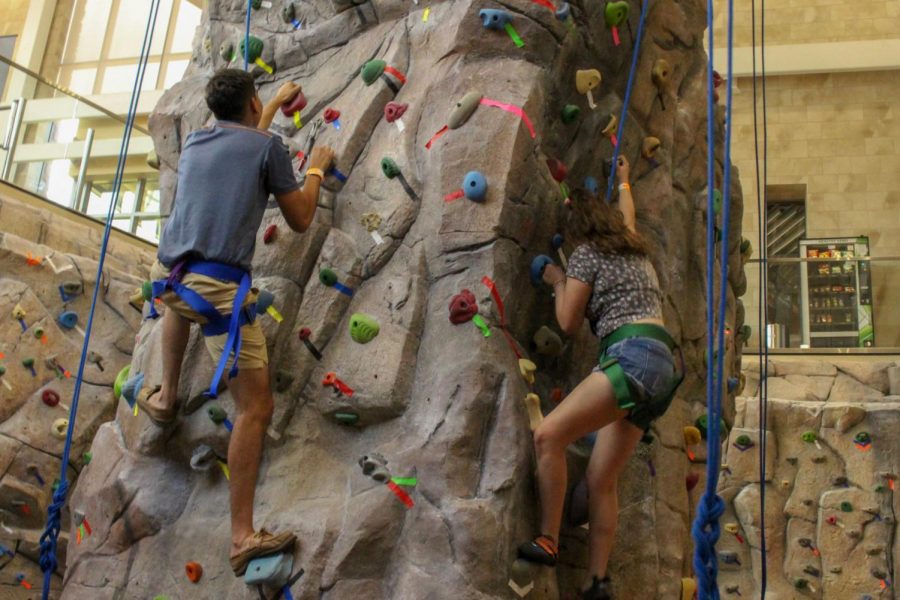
830,504
29,452
437,400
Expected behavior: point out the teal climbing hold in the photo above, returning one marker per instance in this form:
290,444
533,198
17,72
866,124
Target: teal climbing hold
346,418
846,507
363,328
273,571
254,49
570,113
216,414
717,202
389,168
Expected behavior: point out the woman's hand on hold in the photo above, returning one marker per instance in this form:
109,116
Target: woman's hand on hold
623,170
553,274
322,157
286,92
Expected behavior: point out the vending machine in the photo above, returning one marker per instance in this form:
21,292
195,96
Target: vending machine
836,293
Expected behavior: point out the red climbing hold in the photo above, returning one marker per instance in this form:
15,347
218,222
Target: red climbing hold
463,307
692,480
270,234
558,170
331,115
294,105
194,571
50,398
556,395
304,333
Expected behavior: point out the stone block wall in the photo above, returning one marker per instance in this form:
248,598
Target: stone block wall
831,467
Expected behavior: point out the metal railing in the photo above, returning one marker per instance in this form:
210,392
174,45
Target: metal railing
835,309
63,147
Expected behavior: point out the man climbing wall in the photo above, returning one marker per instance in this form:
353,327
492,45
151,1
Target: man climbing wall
203,276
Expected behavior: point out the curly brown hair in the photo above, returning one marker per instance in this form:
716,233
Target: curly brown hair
592,221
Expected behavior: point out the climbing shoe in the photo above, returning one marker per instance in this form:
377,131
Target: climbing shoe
262,543
541,550
601,589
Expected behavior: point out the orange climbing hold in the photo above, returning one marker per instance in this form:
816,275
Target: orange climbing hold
194,571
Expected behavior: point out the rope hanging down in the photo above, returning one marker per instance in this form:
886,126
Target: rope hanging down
706,530
762,311
625,103
247,35
51,531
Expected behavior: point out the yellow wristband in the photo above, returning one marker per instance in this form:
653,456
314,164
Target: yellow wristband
317,172
624,186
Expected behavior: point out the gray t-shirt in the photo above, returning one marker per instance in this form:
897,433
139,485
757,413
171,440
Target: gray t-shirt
626,288
225,175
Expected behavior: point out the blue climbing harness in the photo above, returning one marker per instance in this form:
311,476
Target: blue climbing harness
216,322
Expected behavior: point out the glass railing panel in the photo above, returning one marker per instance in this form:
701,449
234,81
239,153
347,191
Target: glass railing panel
64,148
827,304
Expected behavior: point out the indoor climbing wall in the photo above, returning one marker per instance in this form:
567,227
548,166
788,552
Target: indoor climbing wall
400,451
45,296
831,469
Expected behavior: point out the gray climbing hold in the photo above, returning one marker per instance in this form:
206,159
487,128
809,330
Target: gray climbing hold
203,458
375,466
273,571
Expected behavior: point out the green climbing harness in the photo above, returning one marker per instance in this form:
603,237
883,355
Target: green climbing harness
622,387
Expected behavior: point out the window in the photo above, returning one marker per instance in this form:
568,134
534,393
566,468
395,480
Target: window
785,227
104,39
7,45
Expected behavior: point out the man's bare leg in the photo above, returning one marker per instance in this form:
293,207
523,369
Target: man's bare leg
175,334
254,403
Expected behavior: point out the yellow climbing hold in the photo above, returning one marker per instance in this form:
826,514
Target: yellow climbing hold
688,588
425,14
691,435
527,369
535,416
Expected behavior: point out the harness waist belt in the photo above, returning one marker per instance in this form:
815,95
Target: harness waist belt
633,330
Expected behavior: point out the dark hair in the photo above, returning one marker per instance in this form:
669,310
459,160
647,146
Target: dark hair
228,94
592,221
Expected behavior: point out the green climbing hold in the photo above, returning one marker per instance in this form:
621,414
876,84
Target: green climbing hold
746,246
616,13
702,424
372,70
363,328
216,414
879,488
389,168
746,332
862,437
87,457
257,4
717,202
846,507
28,363
121,378
800,583
327,277
2,370
809,437
346,418
254,49
570,113
743,441
38,332
147,291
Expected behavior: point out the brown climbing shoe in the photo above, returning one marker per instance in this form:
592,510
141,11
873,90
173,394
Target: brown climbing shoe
158,416
541,550
263,543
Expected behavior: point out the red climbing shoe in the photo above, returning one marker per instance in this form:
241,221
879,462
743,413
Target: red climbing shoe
601,589
541,550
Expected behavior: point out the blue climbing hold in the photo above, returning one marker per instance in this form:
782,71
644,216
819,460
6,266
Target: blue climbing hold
68,319
563,12
591,185
475,186
264,300
493,18
131,388
538,265
273,571
557,241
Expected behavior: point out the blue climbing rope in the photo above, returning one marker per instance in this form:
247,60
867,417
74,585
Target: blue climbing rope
627,100
247,35
706,529
50,535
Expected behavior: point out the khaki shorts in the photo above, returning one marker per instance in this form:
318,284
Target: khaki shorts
221,295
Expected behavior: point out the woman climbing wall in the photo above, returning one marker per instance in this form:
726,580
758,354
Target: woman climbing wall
611,282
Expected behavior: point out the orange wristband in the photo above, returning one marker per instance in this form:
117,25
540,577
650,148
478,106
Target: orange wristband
317,172
624,186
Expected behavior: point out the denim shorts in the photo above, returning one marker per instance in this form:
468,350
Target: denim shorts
650,369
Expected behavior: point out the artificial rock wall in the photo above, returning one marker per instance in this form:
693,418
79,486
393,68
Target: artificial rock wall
438,401
40,252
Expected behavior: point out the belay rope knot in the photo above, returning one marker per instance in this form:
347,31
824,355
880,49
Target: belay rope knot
706,532
48,560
